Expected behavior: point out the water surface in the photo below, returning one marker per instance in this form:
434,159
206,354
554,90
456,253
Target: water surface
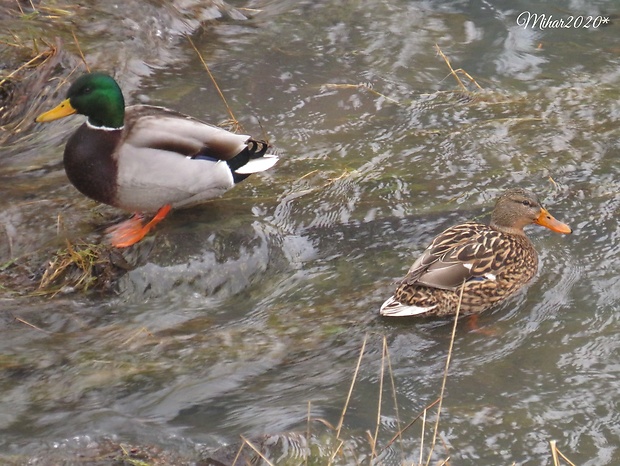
259,302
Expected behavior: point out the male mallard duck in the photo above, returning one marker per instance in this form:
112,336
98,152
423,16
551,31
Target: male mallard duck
145,159
491,262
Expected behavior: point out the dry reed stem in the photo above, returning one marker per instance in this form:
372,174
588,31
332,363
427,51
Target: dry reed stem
393,385
326,423
59,224
251,10
262,131
413,421
555,185
308,174
236,123
422,437
343,175
565,458
11,44
380,401
22,11
77,44
308,433
556,454
18,319
445,375
52,12
445,446
19,6
55,13
251,445
132,337
454,72
331,459
241,447
9,240
346,405
373,444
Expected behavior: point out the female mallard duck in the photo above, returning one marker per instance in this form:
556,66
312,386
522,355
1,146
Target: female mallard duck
145,159
491,262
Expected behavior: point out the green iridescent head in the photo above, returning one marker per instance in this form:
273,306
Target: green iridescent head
95,95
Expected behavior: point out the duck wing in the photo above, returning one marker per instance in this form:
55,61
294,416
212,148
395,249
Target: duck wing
162,129
461,253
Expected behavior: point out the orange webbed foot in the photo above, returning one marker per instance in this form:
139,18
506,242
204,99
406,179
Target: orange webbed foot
472,325
131,231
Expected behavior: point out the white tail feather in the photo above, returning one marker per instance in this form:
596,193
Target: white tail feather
258,165
392,308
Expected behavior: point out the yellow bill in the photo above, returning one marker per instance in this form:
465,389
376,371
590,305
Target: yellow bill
62,110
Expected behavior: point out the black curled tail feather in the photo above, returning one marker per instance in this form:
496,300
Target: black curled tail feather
255,149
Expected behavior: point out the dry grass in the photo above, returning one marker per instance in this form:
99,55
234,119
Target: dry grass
48,12
79,266
455,73
24,89
38,59
29,57
33,64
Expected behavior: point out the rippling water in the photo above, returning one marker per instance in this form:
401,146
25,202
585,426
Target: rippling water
259,302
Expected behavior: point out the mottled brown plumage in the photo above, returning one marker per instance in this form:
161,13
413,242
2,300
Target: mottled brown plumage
491,262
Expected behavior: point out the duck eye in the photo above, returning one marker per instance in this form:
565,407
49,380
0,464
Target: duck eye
526,203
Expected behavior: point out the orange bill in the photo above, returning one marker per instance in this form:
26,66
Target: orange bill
547,220
62,110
